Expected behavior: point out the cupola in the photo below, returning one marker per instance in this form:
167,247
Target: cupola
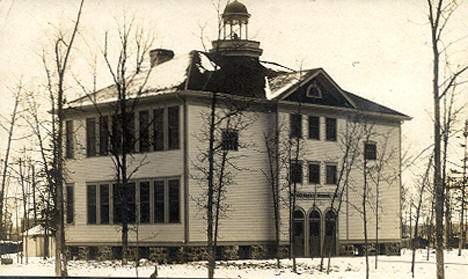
234,39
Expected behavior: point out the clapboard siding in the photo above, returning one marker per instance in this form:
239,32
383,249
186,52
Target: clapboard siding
350,224
250,215
82,171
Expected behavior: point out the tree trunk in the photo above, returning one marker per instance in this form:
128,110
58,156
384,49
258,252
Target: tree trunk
209,207
5,161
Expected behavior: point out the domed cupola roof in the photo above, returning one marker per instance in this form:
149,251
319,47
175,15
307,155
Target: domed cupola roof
235,8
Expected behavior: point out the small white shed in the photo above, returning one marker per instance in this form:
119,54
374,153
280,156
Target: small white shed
34,242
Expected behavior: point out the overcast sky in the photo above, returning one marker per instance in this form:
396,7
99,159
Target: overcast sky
377,49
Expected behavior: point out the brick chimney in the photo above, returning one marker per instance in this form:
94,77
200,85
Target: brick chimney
160,55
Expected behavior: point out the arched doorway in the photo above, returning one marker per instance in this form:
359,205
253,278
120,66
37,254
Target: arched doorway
330,234
298,232
314,234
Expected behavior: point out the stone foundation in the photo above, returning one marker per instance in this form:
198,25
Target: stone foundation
105,253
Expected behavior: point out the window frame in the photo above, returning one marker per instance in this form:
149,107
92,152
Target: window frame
317,137
91,150
314,86
372,151
230,139
295,132
67,200
69,140
300,172
335,166
314,163
173,129
331,134
88,205
114,207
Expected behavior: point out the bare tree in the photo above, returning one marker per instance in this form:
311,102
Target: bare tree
56,69
129,73
272,173
5,160
421,192
216,164
440,12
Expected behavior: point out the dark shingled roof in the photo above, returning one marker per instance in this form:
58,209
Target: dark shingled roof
242,76
367,105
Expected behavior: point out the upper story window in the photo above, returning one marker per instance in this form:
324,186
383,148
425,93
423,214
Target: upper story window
296,172
331,174
90,137
314,91
314,173
144,137
103,135
173,127
158,129
230,139
314,127
330,129
69,144
370,151
295,126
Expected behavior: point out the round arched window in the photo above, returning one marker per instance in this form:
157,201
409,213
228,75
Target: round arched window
314,91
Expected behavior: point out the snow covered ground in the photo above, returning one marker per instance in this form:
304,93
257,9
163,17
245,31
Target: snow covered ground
343,268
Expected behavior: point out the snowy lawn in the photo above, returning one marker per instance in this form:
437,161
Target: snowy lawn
349,267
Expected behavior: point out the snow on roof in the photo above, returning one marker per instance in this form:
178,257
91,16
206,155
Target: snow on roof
280,83
162,79
37,230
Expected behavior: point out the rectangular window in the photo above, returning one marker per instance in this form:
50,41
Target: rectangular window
314,173
331,129
144,202
143,120
173,127
295,126
174,201
131,203
103,135
104,200
69,152
370,151
91,201
70,200
130,133
158,129
91,137
331,174
314,127
296,172
230,139
159,201
116,137
117,208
